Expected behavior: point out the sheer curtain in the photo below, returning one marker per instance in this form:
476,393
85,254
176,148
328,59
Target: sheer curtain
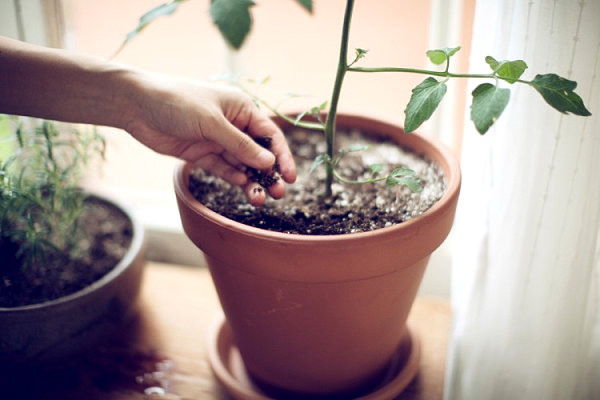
526,264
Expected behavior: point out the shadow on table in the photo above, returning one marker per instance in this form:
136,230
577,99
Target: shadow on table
127,363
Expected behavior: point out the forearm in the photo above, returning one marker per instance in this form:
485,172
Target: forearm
212,127
56,84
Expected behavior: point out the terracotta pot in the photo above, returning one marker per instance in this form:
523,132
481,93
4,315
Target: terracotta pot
59,329
320,315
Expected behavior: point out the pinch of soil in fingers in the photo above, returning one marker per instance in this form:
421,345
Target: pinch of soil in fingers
266,178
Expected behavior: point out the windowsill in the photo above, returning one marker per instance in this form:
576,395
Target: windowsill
170,335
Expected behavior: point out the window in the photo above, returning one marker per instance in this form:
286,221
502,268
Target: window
297,51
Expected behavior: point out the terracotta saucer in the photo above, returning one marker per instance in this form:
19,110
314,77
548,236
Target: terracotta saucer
228,367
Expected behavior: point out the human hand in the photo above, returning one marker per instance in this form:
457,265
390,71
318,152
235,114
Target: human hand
213,127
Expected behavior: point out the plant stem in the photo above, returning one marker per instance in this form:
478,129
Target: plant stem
337,88
315,126
444,74
419,71
351,182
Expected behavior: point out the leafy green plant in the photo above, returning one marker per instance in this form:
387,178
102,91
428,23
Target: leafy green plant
40,197
489,99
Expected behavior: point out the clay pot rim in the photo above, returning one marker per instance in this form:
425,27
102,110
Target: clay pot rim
444,156
135,248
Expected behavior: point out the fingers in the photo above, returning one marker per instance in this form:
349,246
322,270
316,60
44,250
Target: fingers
256,194
249,119
216,165
233,173
260,125
240,145
215,128
277,190
286,165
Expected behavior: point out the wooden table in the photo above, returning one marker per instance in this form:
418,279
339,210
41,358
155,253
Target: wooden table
162,352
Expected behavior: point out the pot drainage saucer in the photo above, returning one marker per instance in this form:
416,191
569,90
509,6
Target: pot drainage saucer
228,367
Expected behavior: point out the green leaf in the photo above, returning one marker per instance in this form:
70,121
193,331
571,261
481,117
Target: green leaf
320,159
157,12
406,177
355,148
259,82
233,19
440,56
510,71
376,168
492,62
401,171
321,107
412,182
7,145
559,93
360,53
306,4
314,112
424,100
488,103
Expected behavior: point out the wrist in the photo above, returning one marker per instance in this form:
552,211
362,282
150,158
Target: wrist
138,94
119,106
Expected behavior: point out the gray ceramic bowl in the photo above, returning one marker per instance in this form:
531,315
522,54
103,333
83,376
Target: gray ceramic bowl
63,328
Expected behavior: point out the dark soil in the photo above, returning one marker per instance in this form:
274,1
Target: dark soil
264,178
109,234
353,208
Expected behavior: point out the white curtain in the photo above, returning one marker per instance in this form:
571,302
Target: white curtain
526,261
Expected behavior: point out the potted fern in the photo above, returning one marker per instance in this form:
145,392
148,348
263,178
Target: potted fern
321,313
70,261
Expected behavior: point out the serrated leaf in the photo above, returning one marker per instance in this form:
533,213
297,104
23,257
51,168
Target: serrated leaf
233,19
559,93
412,182
401,171
439,56
510,71
306,4
320,159
391,181
489,102
424,100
